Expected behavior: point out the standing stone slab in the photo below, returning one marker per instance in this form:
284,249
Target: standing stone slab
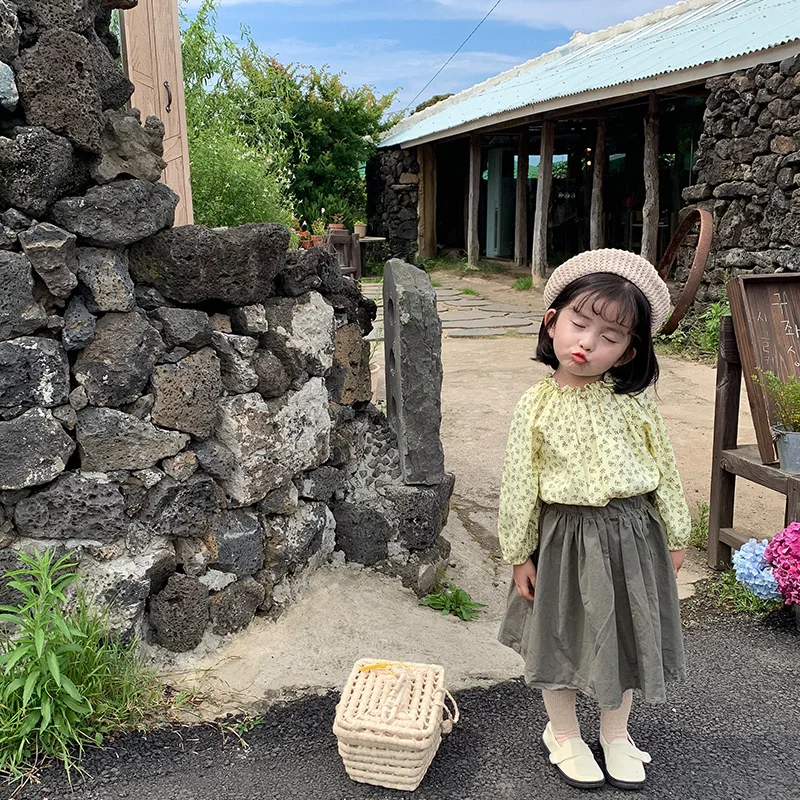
301,333
58,88
186,393
52,253
116,366
109,440
33,372
104,273
20,314
272,441
413,348
192,264
179,613
34,449
74,506
119,213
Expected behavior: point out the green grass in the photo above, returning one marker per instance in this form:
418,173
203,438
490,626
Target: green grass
697,337
699,535
371,279
523,284
728,593
450,599
65,682
471,292
436,284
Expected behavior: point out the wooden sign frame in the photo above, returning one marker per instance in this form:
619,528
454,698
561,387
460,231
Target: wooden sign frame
766,319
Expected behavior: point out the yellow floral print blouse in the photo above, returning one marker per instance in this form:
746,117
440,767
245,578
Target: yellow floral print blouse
585,447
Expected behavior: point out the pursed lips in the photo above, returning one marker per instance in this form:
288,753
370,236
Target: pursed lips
578,358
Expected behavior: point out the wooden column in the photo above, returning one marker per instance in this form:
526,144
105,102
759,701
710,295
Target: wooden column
596,227
473,242
426,201
521,215
543,186
650,209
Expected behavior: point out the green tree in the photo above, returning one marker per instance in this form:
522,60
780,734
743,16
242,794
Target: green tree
265,138
238,114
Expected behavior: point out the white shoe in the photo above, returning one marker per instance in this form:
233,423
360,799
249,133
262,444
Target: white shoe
624,763
573,760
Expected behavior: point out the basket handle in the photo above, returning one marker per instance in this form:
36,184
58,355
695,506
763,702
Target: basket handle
453,716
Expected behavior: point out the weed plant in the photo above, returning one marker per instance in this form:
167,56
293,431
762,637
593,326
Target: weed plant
450,599
785,395
523,284
469,291
731,595
65,682
698,537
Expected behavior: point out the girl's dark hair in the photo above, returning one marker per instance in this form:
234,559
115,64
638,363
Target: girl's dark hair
632,310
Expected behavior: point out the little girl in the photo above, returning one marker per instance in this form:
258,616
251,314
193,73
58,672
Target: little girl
592,515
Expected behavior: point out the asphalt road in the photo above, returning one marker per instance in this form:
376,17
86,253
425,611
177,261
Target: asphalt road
731,732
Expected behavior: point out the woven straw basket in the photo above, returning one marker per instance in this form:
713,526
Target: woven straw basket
390,721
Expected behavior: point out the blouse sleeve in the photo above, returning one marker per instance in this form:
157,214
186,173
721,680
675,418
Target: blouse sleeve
518,516
669,497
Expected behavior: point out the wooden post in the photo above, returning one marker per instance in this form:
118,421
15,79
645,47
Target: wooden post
543,186
726,424
473,243
426,201
521,215
596,232
650,209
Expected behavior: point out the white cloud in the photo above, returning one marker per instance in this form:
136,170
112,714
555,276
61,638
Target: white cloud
383,63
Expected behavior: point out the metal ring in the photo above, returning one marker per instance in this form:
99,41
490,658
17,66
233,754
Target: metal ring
702,250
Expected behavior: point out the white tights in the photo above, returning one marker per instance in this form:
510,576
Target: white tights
560,706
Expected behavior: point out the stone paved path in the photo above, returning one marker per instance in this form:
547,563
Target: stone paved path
465,314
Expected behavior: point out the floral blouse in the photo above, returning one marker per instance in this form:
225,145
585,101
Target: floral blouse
585,447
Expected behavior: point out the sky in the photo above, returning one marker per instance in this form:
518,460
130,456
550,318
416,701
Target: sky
400,44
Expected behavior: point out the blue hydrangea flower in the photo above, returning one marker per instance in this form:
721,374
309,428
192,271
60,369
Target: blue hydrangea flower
753,572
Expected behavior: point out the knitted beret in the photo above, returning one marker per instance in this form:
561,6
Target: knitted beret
636,269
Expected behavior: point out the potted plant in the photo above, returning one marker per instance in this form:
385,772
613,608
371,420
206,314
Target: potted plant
317,232
305,240
360,228
337,222
784,394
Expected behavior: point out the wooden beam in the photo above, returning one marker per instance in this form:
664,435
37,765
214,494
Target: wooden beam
426,201
473,243
596,227
543,186
650,209
521,214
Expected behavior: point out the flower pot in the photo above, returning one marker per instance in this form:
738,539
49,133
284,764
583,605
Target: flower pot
374,370
305,244
317,240
788,444
336,226
360,231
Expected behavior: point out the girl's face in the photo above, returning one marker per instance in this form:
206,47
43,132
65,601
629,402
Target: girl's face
587,343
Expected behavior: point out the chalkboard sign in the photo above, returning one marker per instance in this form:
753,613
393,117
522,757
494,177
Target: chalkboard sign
766,318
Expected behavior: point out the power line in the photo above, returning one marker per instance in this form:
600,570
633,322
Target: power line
453,56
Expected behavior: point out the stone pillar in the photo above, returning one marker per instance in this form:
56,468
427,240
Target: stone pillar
413,346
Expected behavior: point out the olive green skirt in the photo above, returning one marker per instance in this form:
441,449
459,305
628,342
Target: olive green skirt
605,616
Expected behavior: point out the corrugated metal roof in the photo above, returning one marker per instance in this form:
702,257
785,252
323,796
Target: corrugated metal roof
677,38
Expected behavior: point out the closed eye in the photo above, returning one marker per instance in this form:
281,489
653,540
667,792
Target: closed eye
610,341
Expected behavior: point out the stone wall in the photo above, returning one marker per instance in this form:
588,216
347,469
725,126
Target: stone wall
184,410
748,163
392,187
